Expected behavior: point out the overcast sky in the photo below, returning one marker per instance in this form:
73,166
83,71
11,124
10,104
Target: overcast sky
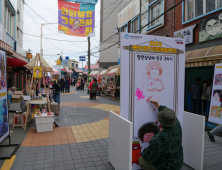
48,9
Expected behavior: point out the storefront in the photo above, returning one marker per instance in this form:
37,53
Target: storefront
17,74
200,63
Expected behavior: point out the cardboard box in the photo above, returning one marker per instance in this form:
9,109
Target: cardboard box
16,98
18,93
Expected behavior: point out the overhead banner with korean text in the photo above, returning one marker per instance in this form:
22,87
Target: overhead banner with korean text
76,19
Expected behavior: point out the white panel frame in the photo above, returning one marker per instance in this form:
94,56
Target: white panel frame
120,142
193,140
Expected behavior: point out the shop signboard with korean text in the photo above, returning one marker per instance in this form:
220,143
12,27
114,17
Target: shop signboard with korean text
152,70
215,114
76,19
186,34
210,28
4,122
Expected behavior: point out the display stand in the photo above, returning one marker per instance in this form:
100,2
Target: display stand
38,61
103,86
111,87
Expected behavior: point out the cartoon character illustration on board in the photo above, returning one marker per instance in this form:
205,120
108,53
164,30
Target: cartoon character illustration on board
217,79
139,94
219,114
150,105
214,110
212,26
136,152
216,97
154,70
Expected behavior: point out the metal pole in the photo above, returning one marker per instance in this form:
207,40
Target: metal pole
41,41
88,56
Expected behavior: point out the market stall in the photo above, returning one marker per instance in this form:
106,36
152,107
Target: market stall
39,97
91,75
112,87
102,84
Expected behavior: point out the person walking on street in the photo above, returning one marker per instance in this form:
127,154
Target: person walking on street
209,89
67,84
94,90
164,150
56,89
204,97
196,93
90,87
74,83
83,82
62,84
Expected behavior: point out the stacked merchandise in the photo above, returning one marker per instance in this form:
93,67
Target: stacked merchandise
44,120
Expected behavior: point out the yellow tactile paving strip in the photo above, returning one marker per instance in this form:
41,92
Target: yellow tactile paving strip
8,163
107,107
91,131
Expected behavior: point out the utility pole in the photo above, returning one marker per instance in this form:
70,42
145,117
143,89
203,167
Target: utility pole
88,57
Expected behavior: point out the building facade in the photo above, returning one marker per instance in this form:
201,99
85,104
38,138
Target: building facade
11,41
108,25
12,18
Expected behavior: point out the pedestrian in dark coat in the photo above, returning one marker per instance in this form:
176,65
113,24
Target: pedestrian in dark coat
62,84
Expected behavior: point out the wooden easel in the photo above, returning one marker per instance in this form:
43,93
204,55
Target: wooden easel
37,63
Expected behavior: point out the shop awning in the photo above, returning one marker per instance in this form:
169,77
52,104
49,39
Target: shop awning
112,67
104,72
86,73
69,71
14,62
91,73
115,71
55,72
95,73
203,57
78,70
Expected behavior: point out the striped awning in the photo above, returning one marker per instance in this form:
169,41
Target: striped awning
202,63
203,57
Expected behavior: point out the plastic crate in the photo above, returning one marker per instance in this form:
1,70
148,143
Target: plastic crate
44,127
43,119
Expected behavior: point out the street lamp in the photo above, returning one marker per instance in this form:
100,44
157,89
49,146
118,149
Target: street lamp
41,35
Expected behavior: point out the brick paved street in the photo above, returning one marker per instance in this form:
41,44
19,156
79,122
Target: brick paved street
81,141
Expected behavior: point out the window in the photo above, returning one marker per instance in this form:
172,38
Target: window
124,28
154,13
196,8
9,21
135,25
210,4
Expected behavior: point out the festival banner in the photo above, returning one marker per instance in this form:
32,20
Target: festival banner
76,19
